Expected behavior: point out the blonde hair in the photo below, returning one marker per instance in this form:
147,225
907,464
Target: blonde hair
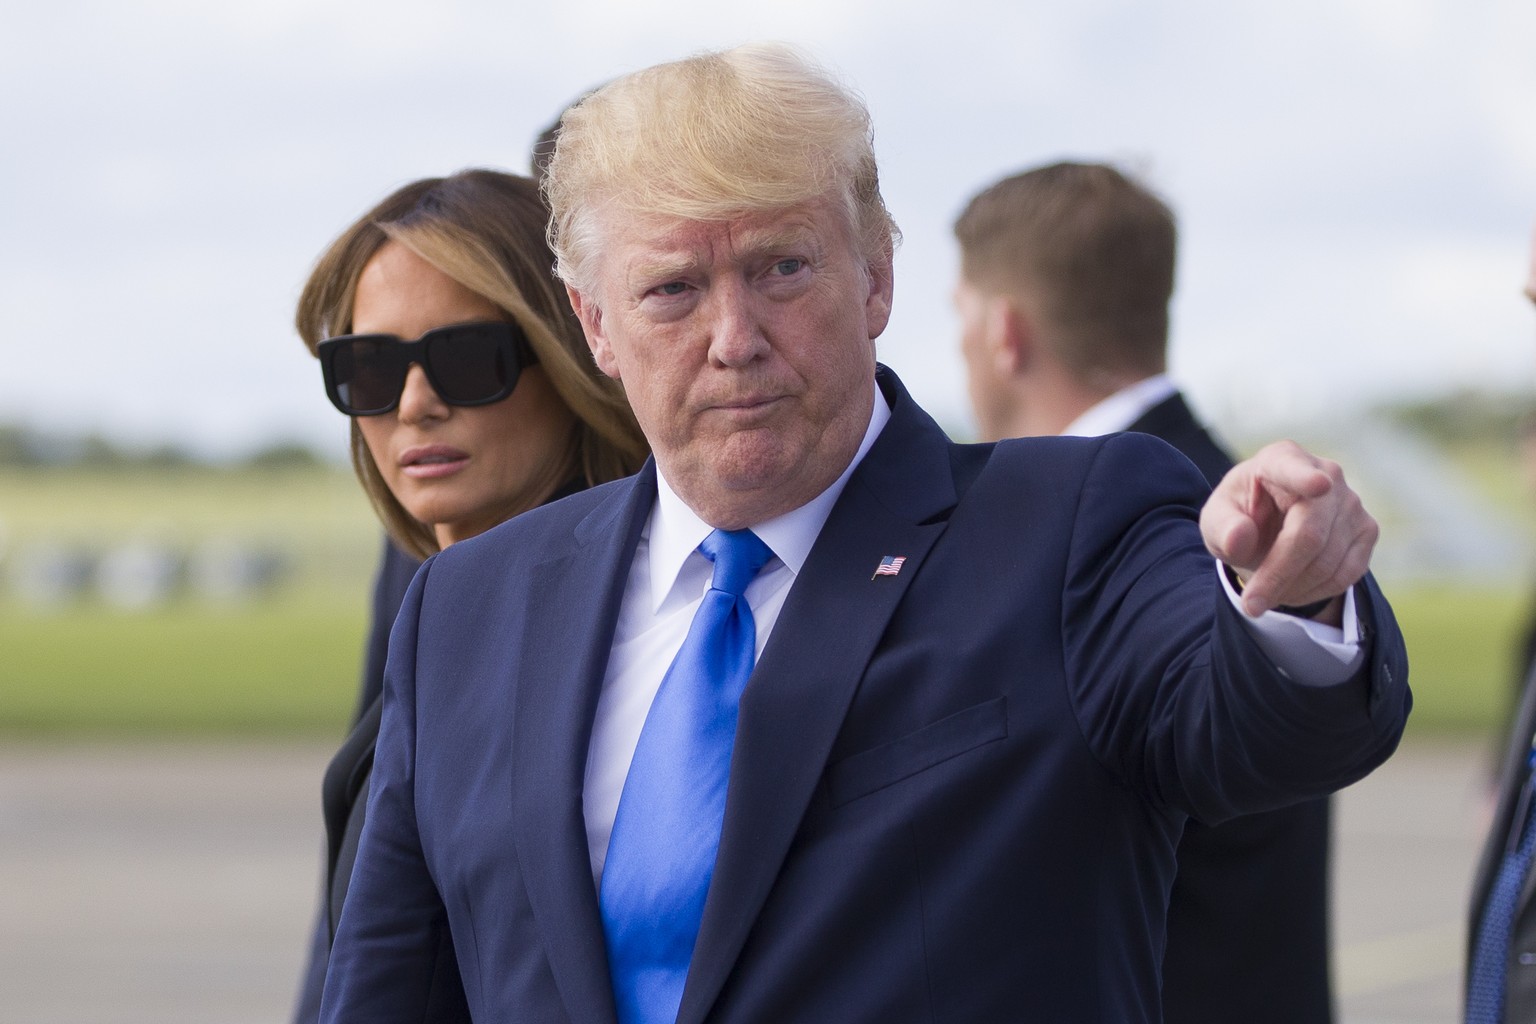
485,230
752,129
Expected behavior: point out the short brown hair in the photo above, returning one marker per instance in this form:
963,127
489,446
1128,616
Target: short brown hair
756,128
485,230
1091,247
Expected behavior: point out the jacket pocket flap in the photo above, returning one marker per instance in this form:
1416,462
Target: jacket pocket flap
862,773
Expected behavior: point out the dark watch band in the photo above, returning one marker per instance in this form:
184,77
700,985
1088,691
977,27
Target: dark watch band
1301,611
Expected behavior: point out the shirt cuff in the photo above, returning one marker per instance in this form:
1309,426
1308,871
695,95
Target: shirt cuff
1307,652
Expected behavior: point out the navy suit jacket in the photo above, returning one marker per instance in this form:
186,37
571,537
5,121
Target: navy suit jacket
955,793
1270,867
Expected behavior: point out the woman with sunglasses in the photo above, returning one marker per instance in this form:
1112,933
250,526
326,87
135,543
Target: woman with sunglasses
442,332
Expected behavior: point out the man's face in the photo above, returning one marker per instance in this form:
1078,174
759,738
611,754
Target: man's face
746,348
990,401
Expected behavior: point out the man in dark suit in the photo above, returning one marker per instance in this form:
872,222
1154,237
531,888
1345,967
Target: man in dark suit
1066,274
952,785
1501,939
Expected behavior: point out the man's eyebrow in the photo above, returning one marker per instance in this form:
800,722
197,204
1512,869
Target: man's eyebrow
786,239
662,265
771,235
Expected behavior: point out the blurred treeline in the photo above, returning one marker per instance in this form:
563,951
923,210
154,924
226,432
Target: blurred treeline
23,447
1477,417
1466,416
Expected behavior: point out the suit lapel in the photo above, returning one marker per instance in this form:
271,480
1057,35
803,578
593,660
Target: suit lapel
570,628
894,504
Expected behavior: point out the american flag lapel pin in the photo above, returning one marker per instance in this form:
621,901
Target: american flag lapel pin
889,565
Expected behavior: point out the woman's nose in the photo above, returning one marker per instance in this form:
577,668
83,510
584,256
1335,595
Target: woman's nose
418,400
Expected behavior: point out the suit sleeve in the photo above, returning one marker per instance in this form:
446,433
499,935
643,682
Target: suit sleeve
1170,688
384,958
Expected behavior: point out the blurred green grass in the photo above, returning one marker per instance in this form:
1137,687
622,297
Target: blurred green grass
287,664
1462,641
319,513
278,664
279,668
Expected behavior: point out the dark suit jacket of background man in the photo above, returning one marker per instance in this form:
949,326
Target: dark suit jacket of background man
955,792
1270,867
1520,997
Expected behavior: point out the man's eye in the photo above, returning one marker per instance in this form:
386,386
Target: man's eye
788,267
671,288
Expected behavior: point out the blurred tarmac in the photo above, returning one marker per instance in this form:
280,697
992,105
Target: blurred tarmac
173,884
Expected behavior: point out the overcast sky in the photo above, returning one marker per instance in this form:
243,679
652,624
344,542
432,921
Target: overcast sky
1355,179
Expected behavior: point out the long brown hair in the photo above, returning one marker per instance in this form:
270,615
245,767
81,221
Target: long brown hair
486,230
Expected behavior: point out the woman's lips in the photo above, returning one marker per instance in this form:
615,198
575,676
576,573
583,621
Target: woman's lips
429,462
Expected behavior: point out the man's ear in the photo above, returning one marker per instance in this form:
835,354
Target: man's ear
877,305
1010,336
591,316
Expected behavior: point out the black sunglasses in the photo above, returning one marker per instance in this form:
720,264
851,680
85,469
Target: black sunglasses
466,364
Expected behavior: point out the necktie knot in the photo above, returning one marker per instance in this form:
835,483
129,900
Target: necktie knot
738,556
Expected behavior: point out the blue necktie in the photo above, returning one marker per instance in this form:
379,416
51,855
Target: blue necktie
1487,975
667,829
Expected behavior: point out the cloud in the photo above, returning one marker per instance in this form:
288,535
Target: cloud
1351,175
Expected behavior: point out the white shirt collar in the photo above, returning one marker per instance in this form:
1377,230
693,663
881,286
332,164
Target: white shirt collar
675,531
1121,409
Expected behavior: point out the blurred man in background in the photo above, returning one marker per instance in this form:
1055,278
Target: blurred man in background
1501,948
1066,273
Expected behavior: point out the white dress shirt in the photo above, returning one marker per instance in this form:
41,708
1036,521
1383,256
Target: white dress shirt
1121,409
668,580
666,584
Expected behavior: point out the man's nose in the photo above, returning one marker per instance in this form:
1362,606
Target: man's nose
736,329
419,401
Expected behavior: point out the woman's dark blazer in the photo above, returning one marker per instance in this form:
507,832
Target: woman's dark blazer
344,796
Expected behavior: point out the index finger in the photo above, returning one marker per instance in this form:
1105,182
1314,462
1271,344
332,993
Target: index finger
1302,535
1286,468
